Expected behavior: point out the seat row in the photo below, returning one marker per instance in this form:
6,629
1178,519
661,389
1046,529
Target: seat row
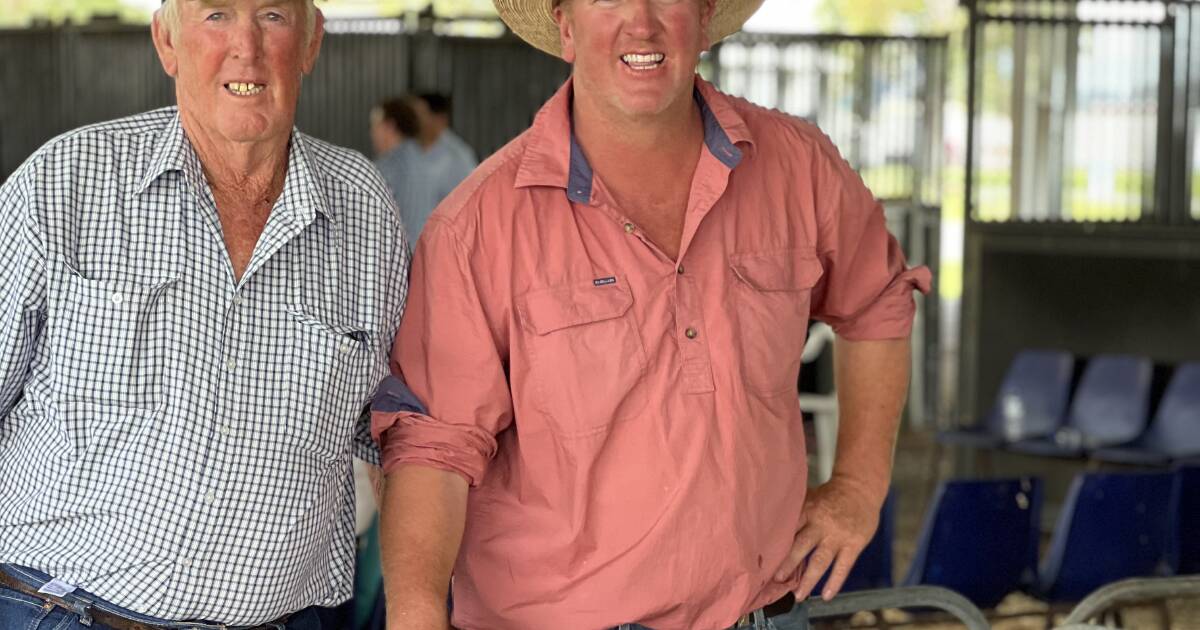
1111,410
980,538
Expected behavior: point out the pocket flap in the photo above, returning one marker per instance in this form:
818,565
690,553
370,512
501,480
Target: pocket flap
548,310
786,270
357,332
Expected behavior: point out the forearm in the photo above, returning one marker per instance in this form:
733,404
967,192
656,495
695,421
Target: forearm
422,518
872,382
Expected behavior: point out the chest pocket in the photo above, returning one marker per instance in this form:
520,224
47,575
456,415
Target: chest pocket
110,340
332,377
773,295
586,356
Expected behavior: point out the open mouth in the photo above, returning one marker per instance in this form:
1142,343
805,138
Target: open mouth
643,61
238,88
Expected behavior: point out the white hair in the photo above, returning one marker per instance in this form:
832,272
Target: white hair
168,13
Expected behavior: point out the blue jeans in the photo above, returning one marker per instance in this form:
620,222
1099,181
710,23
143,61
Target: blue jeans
797,619
19,611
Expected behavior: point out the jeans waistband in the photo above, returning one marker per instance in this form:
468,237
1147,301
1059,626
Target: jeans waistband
84,604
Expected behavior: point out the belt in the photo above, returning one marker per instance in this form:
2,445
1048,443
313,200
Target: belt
95,614
781,606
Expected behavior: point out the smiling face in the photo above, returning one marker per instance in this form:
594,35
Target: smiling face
636,58
238,64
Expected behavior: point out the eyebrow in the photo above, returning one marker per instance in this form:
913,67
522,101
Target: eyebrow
259,4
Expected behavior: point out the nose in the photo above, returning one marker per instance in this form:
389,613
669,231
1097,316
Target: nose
643,19
246,40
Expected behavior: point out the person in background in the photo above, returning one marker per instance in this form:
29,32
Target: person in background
197,306
445,159
394,136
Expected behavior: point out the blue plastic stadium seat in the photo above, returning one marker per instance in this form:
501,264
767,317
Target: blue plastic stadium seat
873,569
1174,434
1110,407
1185,518
1112,526
1030,403
980,538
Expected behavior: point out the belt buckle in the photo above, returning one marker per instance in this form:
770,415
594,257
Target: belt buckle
742,621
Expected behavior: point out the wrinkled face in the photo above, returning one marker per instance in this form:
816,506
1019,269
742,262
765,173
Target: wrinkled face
238,65
636,57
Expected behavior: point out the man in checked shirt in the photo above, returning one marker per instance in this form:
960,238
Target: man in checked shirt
605,329
197,306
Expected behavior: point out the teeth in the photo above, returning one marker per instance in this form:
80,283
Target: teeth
652,58
245,89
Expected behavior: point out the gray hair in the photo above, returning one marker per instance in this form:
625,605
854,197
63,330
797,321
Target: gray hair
168,13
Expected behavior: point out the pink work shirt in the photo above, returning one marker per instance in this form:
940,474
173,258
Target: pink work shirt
629,423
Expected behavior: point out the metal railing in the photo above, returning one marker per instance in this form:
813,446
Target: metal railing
880,99
902,597
1083,111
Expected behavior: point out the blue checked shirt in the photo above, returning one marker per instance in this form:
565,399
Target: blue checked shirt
173,440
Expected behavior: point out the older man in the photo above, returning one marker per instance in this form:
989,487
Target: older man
197,306
606,327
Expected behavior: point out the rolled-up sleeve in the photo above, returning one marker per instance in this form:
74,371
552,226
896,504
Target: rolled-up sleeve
448,395
866,290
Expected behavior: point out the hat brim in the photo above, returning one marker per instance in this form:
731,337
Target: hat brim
533,21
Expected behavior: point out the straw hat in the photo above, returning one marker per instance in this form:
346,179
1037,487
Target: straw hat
533,20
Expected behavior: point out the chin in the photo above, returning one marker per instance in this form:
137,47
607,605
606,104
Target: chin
248,129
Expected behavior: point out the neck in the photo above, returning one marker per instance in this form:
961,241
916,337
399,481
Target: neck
254,170
431,135
673,134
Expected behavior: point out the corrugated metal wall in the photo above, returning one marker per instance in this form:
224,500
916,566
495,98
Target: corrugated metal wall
52,81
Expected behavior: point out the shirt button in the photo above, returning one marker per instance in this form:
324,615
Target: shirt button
629,228
237,300
116,298
210,497
185,563
679,270
691,333
346,346
223,430
230,365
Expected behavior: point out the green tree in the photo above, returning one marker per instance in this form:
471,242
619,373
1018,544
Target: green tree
886,16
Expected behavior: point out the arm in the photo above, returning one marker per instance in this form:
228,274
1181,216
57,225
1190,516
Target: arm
436,419
22,285
866,295
872,384
420,543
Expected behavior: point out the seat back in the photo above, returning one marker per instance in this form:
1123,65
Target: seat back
980,539
1175,430
1112,402
1032,400
1185,521
1112,526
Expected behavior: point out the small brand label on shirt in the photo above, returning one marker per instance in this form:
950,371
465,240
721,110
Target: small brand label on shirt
604,281
56,588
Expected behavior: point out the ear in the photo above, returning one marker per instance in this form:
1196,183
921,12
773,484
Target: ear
164,46
566,33
707,9
314,44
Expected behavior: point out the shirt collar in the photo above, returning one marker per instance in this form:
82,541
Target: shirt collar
172,151
553,157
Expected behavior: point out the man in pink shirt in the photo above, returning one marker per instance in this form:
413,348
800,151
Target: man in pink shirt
605,324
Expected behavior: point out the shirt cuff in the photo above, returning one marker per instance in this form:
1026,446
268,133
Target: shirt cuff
890,316
415,439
